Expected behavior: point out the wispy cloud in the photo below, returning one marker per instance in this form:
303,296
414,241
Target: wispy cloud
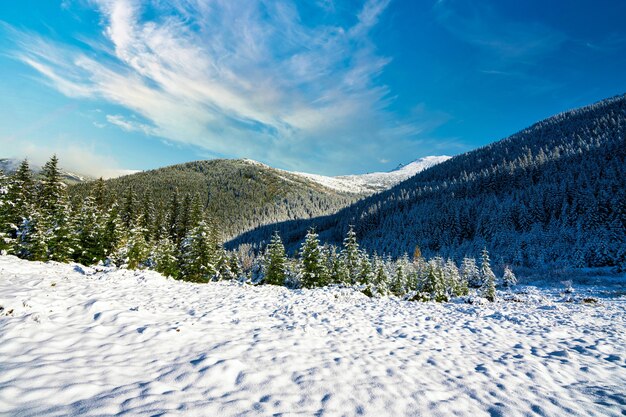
507,42
130,125
253,79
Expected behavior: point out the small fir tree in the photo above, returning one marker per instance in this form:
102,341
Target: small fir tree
275,262
312,268
488,278
508,278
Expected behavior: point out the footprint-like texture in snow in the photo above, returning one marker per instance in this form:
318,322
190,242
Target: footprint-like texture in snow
80,342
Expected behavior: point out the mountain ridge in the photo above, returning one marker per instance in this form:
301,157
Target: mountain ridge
552,193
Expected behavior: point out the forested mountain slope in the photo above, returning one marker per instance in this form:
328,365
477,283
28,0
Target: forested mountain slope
238,194
553,193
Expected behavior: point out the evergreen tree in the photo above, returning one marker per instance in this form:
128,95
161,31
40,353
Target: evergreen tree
508,278
56,223
312,269
164,258
398,282
128,212
199,254
470,273
434,284
350,255
137,251
5,241
235,266
488,278
336,267
366,273
222,265
90,233
113,233
275,262
20,194
381,279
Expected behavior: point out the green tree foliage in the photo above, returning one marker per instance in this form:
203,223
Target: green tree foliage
275,262
312,266
350,255
199,254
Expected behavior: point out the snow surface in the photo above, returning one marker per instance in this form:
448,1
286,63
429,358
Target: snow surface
77,341
375,181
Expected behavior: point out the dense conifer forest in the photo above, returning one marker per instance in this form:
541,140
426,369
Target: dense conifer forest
552,194
39,222
238,194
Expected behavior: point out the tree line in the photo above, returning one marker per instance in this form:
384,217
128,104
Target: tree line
40,222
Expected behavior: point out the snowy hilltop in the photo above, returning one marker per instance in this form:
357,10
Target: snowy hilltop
79,341
376,181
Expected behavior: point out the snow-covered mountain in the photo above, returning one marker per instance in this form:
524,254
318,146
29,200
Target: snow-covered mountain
375,181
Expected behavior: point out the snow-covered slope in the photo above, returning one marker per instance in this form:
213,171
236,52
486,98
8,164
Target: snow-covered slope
376,181
77,342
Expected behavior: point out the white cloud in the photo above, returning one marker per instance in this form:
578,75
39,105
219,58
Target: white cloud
236,79
75,157
130,125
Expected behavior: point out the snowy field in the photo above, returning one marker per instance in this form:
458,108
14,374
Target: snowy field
76,342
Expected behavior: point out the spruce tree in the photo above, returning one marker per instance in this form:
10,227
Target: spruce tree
366,273
508,278
488,278
275,262
381,279
5,241
397,286
56,225
90,233
164,258
470,273
138,251
350,255
21,195
312,269
235,266
199,254
222,265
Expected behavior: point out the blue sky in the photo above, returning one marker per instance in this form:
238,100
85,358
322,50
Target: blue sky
326,86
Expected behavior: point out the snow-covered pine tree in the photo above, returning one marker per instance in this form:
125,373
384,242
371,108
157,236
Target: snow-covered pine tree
350,255
5,242
21,194
397,286
488,278
90,233
199,254
381,279
235,266
138,251
164,258
222,265
456,286
508,278
337,270
275,262
312,266
57,226
128,210
434,283
113,234
366,272
470,273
